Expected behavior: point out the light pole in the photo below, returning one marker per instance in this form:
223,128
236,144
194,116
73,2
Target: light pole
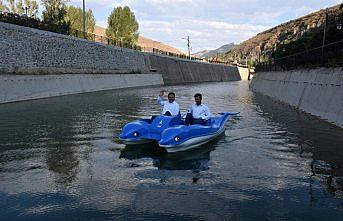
84,18
188,45
26,9
325,26
324,34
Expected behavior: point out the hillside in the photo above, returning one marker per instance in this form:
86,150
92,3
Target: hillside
145,43
201,54
215,52
262,46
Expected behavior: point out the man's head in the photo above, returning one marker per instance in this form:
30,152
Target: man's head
197,98
171,97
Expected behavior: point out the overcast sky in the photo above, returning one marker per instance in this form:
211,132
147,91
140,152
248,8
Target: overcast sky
209,23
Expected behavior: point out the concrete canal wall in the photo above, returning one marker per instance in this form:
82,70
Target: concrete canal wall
244,73
176,71
37,64
316,91
27,87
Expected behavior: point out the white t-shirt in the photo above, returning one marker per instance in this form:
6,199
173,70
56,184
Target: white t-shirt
200,111
173,108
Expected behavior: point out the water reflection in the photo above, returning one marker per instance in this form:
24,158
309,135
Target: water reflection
194,159
59,131
316,139
58,156
63,161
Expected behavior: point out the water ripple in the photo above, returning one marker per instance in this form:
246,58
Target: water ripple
60,157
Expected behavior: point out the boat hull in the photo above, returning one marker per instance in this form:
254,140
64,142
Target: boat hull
135,142
192,142
171,134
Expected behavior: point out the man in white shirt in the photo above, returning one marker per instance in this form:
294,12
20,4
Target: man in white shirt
170,107
198,113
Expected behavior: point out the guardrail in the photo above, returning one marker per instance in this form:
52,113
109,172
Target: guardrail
329,55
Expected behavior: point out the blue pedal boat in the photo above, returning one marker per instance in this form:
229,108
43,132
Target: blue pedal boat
171,133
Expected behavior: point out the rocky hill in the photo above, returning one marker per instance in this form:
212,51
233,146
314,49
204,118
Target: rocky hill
262,46
215,52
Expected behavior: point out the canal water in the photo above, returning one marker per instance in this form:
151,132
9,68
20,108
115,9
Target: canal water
60,159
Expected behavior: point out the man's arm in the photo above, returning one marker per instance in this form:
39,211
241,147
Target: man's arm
178,109
159,98
190,110
207,113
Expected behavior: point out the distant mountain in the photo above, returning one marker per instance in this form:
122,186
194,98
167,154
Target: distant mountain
212,53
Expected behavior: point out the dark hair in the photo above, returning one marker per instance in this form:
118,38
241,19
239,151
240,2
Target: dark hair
171,93
198,95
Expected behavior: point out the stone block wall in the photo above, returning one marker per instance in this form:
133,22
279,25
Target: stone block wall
39,64
31,51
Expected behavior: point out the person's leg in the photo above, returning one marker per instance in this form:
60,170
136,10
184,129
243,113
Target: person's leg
153,117
188,119
202,122
167,113
207,122
198,121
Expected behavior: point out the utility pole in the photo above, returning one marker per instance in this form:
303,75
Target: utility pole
26,9
325,26
84,18
188,44
324,34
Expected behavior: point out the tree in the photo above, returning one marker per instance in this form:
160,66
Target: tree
11,7
122,26
31,5
15,6
55,11
74,16
2,6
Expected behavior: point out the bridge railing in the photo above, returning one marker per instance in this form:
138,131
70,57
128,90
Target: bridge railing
329,55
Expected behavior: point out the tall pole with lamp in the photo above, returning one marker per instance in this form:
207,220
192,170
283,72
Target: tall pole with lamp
84,18
324,34
188,45
26,9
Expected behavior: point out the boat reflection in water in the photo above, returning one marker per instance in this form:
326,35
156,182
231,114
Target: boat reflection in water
194,159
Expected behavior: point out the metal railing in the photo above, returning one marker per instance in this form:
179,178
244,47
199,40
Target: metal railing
103,39
329,55
183,56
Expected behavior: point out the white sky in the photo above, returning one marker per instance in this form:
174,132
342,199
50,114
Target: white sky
209,23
